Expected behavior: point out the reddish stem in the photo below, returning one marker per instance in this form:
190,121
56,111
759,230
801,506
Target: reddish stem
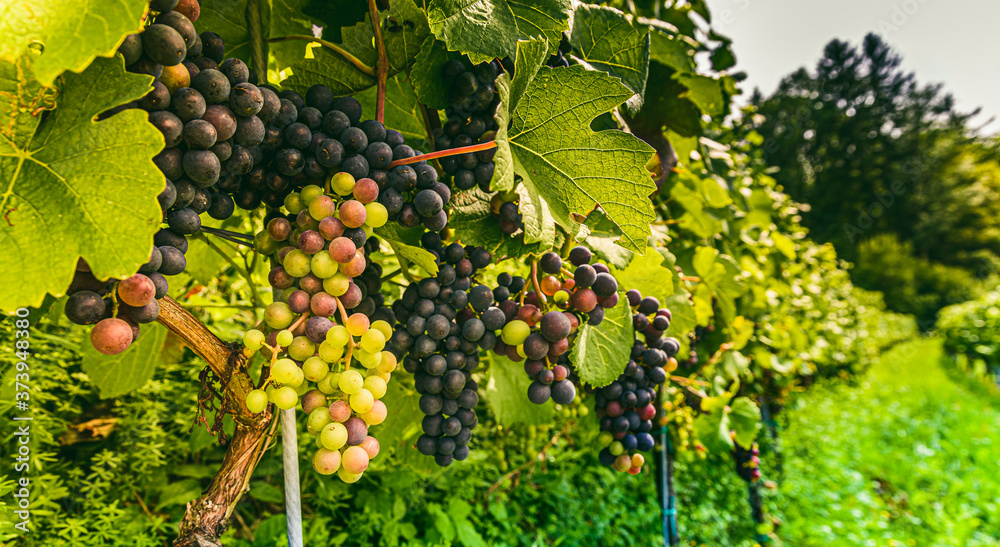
383,62
445,153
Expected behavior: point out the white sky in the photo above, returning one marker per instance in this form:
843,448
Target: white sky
952,41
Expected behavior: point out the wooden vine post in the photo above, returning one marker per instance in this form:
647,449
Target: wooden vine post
207,517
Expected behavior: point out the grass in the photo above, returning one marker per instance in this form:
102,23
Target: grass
908,457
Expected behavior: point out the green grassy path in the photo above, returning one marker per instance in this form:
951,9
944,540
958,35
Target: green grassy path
909,457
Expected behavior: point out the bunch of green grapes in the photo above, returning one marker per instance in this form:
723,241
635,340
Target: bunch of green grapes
339,381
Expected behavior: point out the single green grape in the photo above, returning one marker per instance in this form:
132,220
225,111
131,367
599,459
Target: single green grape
254,339
318,419
369,360
297,263
515,332
330,353
294,203
373,341
301,348
337,284
350,382
377,215
263,243
285,371
362,401
333,436
285,338
309,192
338,336
376,385
342,183
382,326
315,369
285,398
323,266
278,315
256,401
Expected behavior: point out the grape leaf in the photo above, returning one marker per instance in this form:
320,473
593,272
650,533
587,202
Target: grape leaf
572,168
744,419
77,187
402,110
670,51
116,375
531,55
402,37
487,29
600,353
705,92
415,255
647,275
431,89
470,217
68,35
606,40
601,240
507,394
712,429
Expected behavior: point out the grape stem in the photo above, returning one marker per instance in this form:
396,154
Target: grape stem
445,153
239,235
535,283
383,62
299,321
328,45
350,343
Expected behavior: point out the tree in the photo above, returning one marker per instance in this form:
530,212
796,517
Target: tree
867,147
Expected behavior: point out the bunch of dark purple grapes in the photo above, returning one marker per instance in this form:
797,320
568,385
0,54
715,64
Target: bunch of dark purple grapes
747,461
538,327
437,339
626,406
474,102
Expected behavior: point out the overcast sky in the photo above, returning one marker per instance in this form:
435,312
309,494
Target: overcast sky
950,41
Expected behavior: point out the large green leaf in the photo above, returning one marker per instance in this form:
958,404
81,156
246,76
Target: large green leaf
75,187
507,394
485,29
473,222
712,429
648,275
68,35
573,169
116,375
403,37
704,92
600,353
416,255
606,40
531,55
744,419
671,51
